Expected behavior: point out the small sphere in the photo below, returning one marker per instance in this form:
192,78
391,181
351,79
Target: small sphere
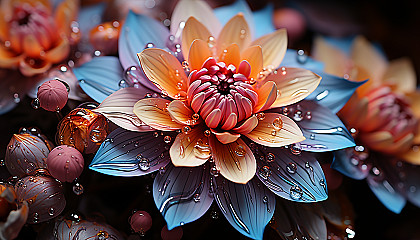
52,95
141,221
290,19
65,163
174,234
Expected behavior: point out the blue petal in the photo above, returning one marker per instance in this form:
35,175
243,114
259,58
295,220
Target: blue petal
137,31
125,153
343,44
100,77
299,221
263,21
182,194
225,13
333,92
324,131
292,59
297,177
248,207
349,165
386,193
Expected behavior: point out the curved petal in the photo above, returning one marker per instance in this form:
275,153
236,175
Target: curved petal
348,164
290,174
367,57
294,84
9,59
118,108
126,153
295,59
234,160
333,92
59,52
388,196
274,46
181,113
412,156
163,69
336,62
402,75
226,137
235,31
225,13
29,69
192,8
99,77
65,14
248,207
324,131
182,194
299,221
247,126
190,149
231,55
355,111
198,54
267,95
253,55
137,31
193,30
276,130
153,112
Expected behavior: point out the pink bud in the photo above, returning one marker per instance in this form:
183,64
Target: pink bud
52,95
65,163
141,221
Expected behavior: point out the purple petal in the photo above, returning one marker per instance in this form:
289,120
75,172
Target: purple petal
13,87
299,221
295,176
349,164
137,31
182,194
323,130
387,194
248,207
128,154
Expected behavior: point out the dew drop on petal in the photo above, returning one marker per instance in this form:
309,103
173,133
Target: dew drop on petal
264,172
296,149
261,116
296,192
240,151
167,139
291,167
144,164
301,57
35,103
207,133
270,157
277,124
214,172
78,189
196,197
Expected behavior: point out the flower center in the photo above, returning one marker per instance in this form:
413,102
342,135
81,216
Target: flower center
221,94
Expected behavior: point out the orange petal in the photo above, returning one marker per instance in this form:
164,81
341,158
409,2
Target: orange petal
274,46
3,24
355,111
414,98
9,59
58,53
152,111
294,84
402,75
190,149
276,130
226,137
377,140
254,56
30,67
412,156
247,126
230,55
164,70
236,31
235,160
335,61
199,53
366,56
193,30
66,13
31,46
181,113
267,95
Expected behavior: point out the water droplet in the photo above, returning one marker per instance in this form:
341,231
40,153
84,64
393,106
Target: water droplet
277,124
162,170
179,86
308,115
207,133
298,116
149,45
260,116
36,217
144,164
182,223
181,151
35,103
286,111
167,139
16,98
196,197
123,84
375,171
202,149
156,134
195,116
97,135
240,151
312,136
322,95
186,129
265,199
264,172
296,192
214,172
51,211
301,57
102,235
97,53
78,189
270,157
291,167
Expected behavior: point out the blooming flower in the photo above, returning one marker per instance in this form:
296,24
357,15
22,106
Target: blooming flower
32,37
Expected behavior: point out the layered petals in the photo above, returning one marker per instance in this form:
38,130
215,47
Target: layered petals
267,95
254,56
274,46
235,160
235,31
182,114
198,54
193,30
401,74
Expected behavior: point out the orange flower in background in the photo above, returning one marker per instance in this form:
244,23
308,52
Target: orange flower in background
385,111
33,36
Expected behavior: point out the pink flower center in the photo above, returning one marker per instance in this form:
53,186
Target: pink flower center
221,94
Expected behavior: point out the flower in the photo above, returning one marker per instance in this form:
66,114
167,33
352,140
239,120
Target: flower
32,37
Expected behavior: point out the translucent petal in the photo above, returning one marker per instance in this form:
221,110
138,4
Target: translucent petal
182,194
126,153
193,30
274,46
235,31
347,164
248,207
225,13
387,194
